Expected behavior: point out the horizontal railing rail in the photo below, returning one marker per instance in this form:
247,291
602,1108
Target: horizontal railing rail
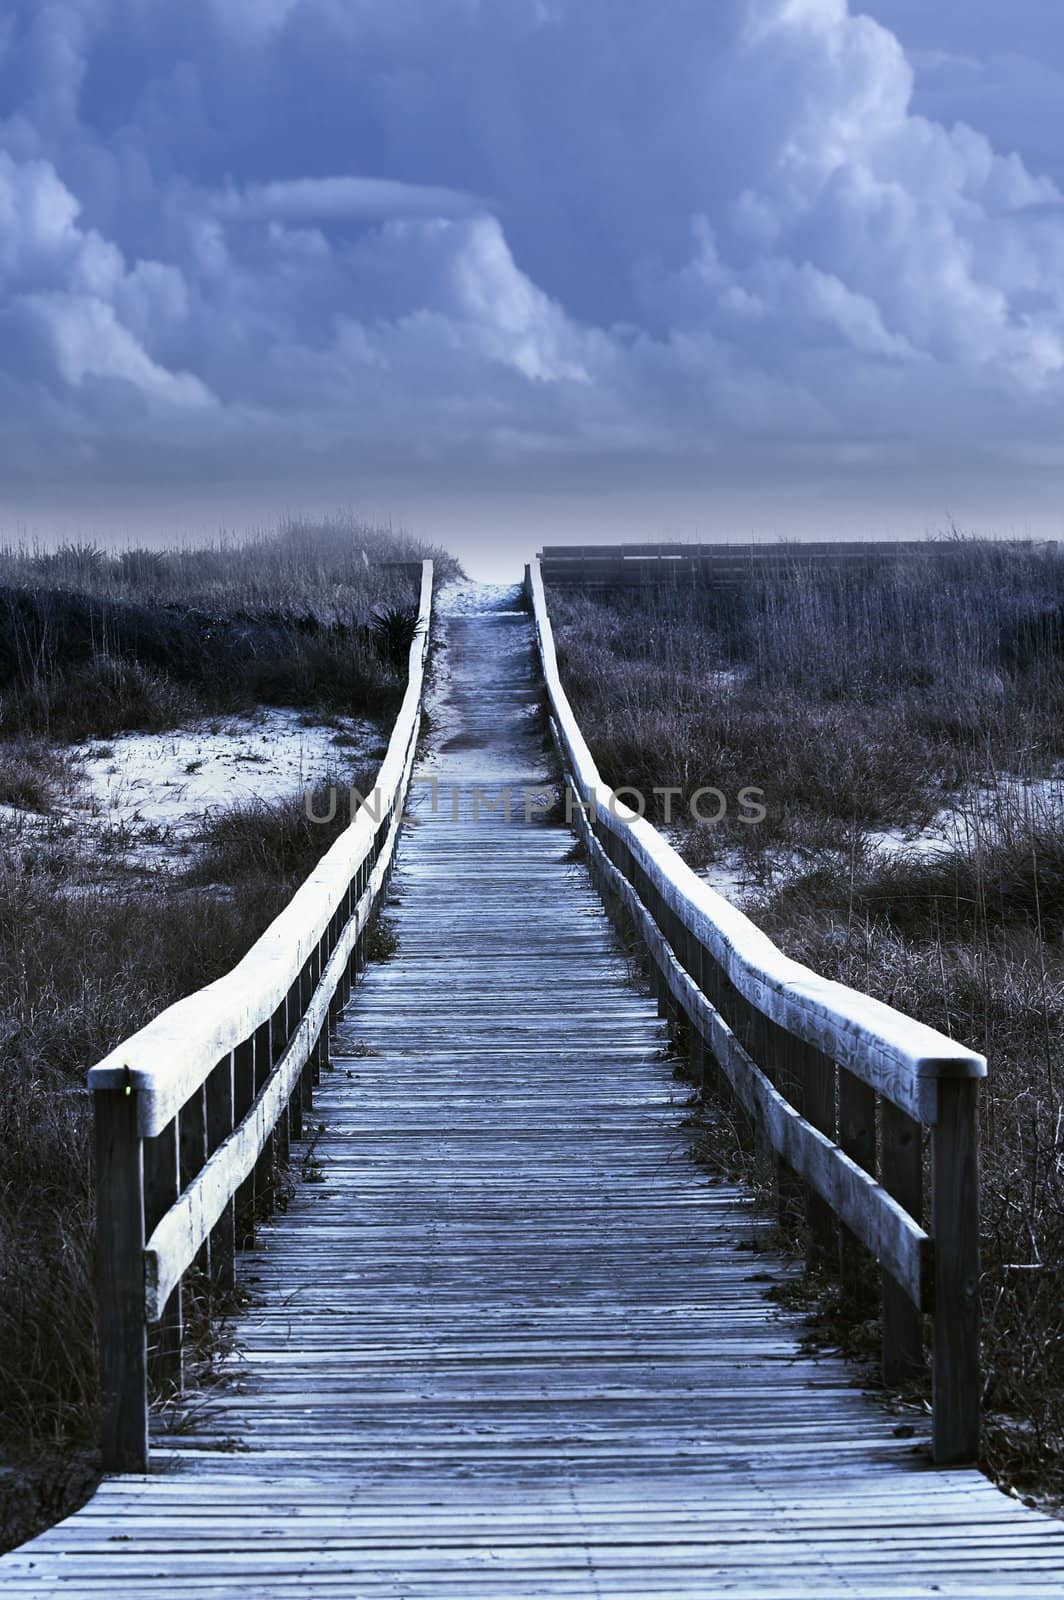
193,1112
627,566
844,1090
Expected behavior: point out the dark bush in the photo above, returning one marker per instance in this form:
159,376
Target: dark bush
394,629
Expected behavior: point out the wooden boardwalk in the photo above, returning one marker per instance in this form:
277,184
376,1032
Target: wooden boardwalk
514,1343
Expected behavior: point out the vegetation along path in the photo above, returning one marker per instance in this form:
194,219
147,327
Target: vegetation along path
514,1342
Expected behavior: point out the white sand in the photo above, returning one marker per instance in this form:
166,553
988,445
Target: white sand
142,799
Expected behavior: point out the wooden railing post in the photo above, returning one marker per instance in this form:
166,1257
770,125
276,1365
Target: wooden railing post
782,1189
782,1058
358,949
345,917
857,1137
293,1017
123,1338
818,1106
243,1095
653,902
336,1003
219,1113
955,1178
696,1045
323,1037
278,1042
714,985
192,1142
676,938
264,1175
902,1175
162,1184
308,1077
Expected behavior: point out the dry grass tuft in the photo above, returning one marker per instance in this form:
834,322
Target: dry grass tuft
93,644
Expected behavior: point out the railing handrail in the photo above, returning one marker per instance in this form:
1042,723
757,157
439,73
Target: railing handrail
902,1058
167,1060
838,1088
755,552
193,1111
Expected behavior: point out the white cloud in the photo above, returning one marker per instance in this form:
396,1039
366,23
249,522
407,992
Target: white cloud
88,341
465,233
344,199
68,286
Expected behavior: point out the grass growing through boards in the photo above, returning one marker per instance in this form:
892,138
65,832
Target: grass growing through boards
92,644
867,707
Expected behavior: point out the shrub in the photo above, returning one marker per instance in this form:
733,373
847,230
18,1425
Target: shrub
394,629
278,841
31,775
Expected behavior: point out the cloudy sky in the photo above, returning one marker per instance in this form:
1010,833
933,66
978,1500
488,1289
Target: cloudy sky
511,270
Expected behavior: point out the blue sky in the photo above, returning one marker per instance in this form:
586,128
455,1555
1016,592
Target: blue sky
506,270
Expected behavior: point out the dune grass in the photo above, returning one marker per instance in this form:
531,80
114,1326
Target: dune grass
849,700
94,643
334,568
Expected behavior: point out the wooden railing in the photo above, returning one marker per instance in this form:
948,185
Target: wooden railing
193,1111
844,1090
637,566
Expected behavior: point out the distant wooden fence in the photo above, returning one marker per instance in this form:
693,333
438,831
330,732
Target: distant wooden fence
191,1112
633,566
841,1087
